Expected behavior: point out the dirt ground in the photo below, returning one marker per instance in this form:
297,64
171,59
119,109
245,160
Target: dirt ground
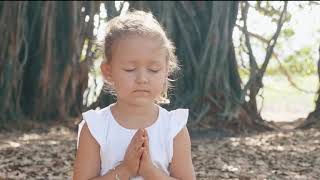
285,154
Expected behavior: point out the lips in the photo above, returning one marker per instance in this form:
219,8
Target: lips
141,91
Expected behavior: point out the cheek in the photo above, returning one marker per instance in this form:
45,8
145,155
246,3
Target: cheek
123,83
158,82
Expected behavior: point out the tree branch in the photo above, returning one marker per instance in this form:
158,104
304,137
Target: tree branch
255,35
244,13
285,72
273,40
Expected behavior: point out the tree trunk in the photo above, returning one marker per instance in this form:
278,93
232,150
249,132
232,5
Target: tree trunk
210,84
41,76
314,117
254,83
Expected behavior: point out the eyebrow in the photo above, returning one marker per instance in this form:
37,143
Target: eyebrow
155,62
135,61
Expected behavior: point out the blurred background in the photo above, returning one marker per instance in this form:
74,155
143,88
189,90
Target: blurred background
247,66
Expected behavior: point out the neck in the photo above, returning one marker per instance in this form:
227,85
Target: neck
140,113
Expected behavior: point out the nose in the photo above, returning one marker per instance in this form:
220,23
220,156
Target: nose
142,77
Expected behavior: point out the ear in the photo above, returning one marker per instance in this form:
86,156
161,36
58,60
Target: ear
106,71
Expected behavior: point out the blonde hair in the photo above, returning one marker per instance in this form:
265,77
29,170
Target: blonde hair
143,24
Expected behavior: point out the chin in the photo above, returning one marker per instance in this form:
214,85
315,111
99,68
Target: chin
142,101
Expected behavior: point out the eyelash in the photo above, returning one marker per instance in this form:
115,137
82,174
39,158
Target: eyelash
154,71
131,70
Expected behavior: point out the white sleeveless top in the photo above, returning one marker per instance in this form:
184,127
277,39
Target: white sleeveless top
114,138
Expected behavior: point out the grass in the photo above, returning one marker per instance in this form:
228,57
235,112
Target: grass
283,102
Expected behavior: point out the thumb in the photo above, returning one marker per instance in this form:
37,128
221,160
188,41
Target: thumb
144,155
141,151
140,158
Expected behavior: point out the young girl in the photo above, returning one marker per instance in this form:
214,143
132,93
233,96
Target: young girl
135,138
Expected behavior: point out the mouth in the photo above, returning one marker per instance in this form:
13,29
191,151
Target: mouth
141,91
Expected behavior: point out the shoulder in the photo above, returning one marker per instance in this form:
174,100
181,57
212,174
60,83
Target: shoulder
97,112
179,113
96,122
176,120
183,137
86,136
96,118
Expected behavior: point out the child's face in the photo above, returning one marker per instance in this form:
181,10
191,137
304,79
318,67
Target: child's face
138,69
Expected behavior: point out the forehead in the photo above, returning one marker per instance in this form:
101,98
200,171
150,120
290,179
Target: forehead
137,49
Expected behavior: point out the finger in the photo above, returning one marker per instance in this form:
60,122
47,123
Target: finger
138,146
144,154
133,139
136,136
146,141
138,133
141,133
140,158
134,146
140,152
138,140
139,143
144,132
136,149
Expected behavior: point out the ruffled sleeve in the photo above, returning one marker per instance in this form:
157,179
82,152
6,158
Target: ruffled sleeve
178,120
95,124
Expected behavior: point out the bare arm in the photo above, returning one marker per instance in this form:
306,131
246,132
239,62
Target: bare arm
87,163
181,166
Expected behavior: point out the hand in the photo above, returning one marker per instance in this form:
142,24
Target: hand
146,166
131,160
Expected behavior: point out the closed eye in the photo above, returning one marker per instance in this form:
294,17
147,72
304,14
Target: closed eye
129,70
154,71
